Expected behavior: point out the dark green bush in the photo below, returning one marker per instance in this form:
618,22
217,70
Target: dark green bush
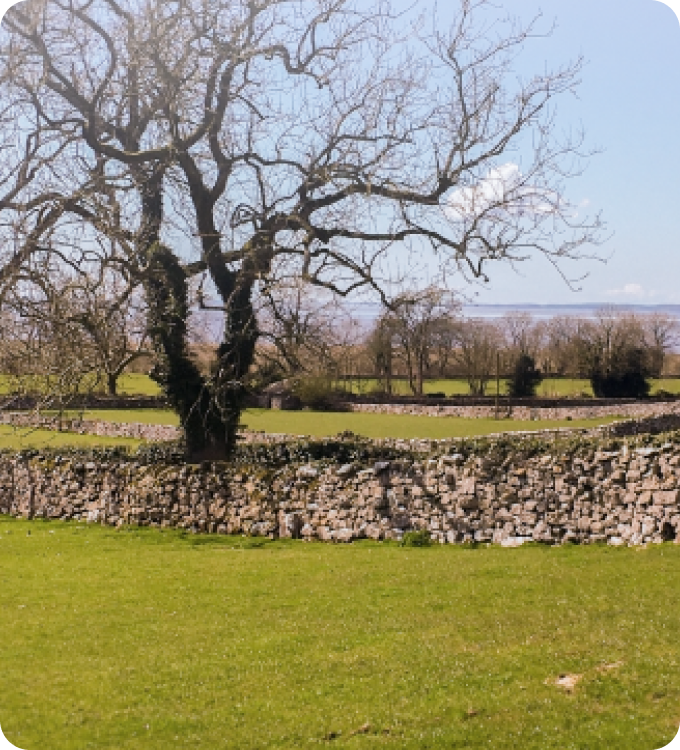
524,378
318,393
417,539
626,375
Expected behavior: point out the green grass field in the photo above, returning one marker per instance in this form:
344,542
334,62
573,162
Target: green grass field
138,384
129,384
321,424
12,438
147,639
549,388
324,424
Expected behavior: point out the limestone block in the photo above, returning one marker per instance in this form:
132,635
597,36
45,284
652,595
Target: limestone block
666,497
467,486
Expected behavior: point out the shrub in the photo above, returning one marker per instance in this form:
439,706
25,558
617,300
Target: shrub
661,393
525,377
318,393
625,376
416,539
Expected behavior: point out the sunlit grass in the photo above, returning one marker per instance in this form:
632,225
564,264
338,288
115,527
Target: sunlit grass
323,424
129,384
147,639
139,384
549,388
20,438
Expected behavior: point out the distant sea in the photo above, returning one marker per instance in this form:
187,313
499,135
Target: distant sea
545,312
367,313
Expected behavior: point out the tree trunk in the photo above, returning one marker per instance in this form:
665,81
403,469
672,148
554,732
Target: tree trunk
112,383
210,407
421,373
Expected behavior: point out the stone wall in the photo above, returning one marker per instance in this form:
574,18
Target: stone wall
138,430
82,401
635,410
504,492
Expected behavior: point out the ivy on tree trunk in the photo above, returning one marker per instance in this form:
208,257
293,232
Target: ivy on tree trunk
209,405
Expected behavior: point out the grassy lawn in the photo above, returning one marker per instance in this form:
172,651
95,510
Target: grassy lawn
395,425
138,384
672,385
12,438
549,388
147,639
129,384
324,424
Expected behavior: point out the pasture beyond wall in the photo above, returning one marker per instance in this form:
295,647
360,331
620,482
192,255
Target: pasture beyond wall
505,491
560,410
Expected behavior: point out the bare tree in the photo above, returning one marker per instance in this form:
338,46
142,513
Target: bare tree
299,326
617,357
314,130
43,351
415,323
557,357
661,334
114,327
379,347
522,333
478,343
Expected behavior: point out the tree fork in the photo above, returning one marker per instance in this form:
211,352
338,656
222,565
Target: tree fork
186,388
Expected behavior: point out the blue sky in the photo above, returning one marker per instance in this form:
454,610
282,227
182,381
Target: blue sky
629,105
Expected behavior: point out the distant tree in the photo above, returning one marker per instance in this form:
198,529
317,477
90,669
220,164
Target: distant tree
617,358
43,351
298,327
379,347
524,378
416,320
661,333
560,353
523,335
477,345
96,326
624,376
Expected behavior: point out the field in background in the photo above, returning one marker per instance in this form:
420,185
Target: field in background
313,424
325,424
138,384
129,384
16,439
552,387
146,639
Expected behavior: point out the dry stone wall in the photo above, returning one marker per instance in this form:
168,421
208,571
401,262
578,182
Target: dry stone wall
138,430
635,410
551,492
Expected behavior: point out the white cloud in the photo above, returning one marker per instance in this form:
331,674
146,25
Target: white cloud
502,186
632,290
